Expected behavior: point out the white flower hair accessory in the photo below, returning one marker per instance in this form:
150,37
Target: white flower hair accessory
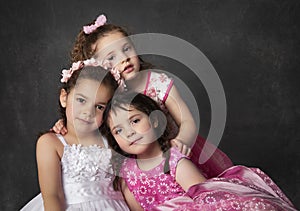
91,62
66,74
100,21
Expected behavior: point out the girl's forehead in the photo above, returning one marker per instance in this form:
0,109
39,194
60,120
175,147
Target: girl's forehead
122,111
110,41
87,86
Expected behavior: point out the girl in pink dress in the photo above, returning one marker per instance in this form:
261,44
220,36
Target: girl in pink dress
154,176
110,46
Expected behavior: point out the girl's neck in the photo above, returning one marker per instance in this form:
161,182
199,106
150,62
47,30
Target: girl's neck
149,163
84,139
138,83
150,158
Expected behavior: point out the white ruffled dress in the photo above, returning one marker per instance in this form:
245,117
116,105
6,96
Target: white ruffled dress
87,177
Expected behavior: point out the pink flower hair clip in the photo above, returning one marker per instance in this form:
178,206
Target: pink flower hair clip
66,74
100,21
115,72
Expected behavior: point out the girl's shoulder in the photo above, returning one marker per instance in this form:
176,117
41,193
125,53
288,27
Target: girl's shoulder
49,136
49,140
158,76
49,146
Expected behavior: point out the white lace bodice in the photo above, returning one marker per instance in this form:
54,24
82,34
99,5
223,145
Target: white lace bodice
86,163
87,172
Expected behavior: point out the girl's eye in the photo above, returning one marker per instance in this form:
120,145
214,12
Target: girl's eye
110,58
135,121
117,131
81,100
100,107
127,48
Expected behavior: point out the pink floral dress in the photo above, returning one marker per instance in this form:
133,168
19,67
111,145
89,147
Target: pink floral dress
237,188
152,187
158,87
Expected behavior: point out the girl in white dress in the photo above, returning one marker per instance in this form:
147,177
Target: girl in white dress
75,170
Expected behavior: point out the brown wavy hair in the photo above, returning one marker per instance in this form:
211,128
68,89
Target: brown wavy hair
82,49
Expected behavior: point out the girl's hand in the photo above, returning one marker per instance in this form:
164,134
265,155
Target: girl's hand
59,127
183,148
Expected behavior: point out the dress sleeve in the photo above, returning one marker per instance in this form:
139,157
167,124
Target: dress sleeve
175,157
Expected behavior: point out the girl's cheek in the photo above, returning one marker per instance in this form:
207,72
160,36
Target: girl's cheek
144,128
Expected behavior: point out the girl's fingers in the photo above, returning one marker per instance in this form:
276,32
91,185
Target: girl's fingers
189,152
64,131
57,129
184,149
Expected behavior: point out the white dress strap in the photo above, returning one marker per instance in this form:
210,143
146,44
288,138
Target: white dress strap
62,140
105,142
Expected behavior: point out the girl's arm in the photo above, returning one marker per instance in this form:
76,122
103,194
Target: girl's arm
181,114
187,174
49,172
129,198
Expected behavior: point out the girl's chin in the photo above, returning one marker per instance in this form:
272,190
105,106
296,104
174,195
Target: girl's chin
129,76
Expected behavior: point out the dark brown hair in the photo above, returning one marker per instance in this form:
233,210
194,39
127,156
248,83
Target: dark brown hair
89,72
146,105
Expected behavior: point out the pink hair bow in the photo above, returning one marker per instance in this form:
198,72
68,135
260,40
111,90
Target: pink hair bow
66,74
100,21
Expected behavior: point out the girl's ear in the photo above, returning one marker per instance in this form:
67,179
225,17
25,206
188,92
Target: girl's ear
155,122
154,117
63,98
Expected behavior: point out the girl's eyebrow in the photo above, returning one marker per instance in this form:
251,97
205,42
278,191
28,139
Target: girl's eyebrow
133,116
108,54
83,96
114,127
118,125
103,103
126,43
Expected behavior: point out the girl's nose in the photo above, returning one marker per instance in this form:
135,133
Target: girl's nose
88,112
125,59
130,133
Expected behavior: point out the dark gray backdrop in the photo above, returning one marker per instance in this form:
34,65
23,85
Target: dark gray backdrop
253,45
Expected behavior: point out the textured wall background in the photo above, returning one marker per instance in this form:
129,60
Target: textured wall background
253,45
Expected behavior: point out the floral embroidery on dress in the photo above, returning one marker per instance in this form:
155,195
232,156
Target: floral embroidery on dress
154,186
82,163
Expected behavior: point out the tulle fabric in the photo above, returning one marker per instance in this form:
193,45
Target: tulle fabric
238,188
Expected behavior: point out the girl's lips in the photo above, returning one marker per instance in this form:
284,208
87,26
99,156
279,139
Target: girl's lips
135,141
128,69
84,121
